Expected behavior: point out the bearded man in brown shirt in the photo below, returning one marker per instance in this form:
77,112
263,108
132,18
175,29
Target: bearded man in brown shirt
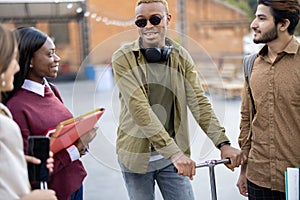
272,139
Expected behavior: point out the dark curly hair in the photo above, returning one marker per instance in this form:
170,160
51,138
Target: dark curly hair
284,9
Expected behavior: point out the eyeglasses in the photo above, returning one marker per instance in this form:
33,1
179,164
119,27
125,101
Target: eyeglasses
154,20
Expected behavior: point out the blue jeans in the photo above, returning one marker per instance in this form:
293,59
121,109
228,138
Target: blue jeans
78,195
171,185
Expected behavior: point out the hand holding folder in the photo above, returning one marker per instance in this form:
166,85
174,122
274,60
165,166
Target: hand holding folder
82,143
69,131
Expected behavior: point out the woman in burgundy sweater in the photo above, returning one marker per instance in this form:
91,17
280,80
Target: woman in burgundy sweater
36,105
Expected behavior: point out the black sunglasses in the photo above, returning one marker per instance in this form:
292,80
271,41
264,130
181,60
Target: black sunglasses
154,20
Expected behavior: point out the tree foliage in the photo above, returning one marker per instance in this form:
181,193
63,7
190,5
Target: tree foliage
247,6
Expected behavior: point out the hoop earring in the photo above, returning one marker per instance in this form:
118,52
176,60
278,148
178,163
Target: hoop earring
3,83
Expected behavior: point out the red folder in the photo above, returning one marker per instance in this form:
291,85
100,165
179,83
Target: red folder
68,131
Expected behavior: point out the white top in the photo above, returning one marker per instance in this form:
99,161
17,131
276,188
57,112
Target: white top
13,169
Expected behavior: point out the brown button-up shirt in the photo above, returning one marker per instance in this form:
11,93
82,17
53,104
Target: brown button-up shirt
275,140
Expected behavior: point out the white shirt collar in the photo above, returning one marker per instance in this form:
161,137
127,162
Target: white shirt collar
35,87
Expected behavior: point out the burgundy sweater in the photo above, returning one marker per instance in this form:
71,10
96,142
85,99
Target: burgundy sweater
35,114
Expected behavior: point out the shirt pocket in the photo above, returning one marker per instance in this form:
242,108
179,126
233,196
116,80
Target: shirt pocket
295,100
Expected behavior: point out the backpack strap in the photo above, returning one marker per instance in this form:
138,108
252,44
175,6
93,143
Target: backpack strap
53,89
248,64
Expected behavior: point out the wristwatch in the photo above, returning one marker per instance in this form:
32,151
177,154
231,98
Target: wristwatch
222,144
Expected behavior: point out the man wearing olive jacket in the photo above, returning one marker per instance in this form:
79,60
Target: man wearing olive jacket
157,82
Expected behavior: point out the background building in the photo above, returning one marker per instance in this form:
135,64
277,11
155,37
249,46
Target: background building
87,32
218,27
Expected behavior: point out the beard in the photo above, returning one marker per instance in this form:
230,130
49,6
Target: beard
267,37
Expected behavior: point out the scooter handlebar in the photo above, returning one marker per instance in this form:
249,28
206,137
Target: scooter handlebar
213,162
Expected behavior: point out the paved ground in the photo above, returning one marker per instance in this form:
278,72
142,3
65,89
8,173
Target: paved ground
104,180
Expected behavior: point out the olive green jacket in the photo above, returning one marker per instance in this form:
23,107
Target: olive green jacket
139,127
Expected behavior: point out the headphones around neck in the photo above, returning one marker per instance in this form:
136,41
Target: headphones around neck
154,54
